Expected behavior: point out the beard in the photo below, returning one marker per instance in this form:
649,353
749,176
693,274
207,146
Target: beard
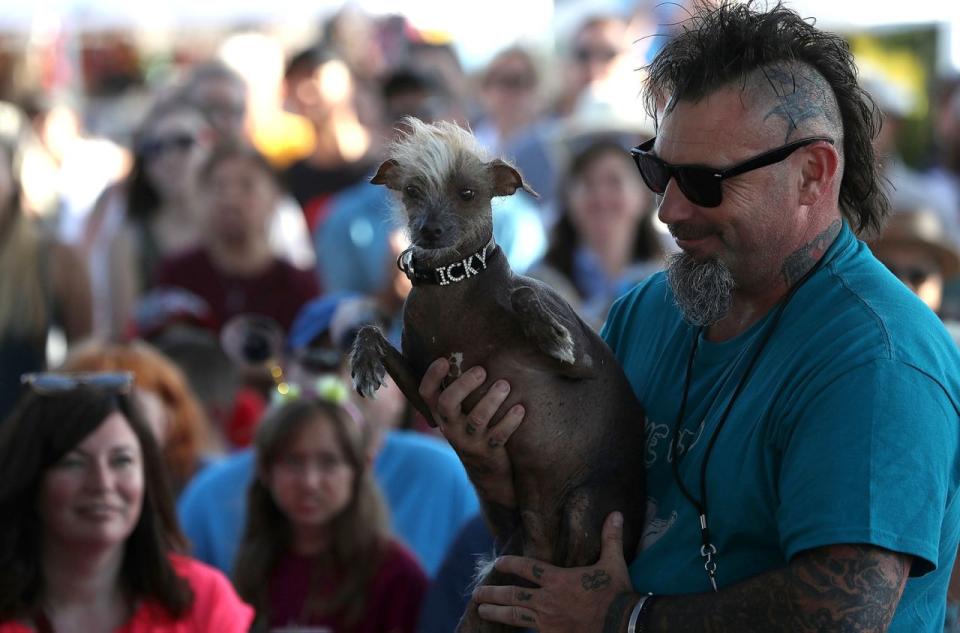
703,291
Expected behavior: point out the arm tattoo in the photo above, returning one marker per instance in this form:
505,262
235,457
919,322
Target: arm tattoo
801,97
596,581
804,258
841,588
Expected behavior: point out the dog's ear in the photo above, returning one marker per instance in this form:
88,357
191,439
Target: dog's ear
506,180
383,175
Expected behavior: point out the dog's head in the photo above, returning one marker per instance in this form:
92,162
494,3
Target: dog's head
444,182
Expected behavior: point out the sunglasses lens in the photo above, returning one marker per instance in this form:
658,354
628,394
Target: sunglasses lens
653,173
49,383
116,381
699,186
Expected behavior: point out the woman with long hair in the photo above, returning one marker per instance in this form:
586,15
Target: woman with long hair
604,240
90,540
317,550
152,214
173,413
42,282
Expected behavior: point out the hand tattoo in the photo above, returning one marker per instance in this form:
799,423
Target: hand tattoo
537,571
596,581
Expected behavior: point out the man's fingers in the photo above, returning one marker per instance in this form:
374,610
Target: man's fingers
498,435
433,378
611,546
505,596
484,410
514,616
527,568
453,396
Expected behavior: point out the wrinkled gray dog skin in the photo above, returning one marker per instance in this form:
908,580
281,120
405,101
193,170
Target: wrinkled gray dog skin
578,455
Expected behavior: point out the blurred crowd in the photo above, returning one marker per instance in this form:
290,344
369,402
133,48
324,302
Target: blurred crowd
220,247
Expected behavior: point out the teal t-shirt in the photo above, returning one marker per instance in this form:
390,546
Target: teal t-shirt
846,431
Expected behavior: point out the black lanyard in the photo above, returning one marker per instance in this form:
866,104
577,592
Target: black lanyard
708,550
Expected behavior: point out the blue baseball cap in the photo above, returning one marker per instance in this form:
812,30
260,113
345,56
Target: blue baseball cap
341,314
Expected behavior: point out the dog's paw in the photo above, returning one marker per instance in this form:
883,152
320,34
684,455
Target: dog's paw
366,364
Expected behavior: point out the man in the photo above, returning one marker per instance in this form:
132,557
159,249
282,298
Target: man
802,405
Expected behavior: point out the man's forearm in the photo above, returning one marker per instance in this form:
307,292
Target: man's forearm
838,588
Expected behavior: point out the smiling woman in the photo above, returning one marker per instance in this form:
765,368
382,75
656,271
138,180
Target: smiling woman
86,518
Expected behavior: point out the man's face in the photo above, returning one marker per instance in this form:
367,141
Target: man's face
742,242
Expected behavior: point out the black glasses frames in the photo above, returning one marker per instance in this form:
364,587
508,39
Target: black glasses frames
701,184
50,383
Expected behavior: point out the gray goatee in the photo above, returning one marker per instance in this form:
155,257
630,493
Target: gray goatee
702,290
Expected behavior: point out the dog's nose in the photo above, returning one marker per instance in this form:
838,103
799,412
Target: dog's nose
431,232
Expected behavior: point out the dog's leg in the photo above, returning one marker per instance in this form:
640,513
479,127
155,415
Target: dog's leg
371,357
543,327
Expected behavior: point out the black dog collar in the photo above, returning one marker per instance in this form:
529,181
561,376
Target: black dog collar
469,266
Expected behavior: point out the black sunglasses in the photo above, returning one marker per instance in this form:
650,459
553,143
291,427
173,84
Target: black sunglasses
699,183
49,383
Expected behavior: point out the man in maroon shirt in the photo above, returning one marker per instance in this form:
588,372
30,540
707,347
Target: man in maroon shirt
234,270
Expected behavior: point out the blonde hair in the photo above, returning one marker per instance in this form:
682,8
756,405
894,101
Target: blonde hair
430,152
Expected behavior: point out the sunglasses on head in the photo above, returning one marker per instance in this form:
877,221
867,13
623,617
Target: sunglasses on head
49,383
155,147
699,183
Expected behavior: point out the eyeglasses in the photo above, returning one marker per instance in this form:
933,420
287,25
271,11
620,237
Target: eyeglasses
912,275
153,148
49,383
702,184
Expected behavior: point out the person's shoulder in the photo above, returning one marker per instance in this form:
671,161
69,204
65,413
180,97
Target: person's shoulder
868,305
649,302
216,602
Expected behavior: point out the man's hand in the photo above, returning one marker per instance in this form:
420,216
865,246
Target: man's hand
566,600
479,443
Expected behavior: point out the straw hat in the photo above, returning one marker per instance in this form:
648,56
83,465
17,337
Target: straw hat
921,228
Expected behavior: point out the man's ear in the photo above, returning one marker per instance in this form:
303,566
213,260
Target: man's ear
506,180
818,171
386,175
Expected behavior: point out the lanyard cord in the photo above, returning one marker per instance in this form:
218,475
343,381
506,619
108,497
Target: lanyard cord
708,550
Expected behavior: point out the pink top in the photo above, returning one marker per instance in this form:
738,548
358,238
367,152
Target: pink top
216,606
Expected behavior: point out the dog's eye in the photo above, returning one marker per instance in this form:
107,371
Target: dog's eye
412,191
467,194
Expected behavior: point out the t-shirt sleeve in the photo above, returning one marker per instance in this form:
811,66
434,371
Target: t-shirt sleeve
216,606
867,459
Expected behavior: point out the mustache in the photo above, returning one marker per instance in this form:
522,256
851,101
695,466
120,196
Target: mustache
689,231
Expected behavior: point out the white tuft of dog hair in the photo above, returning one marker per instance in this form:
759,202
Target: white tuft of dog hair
430,153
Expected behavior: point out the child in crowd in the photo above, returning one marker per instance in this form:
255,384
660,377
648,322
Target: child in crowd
317,549
90,538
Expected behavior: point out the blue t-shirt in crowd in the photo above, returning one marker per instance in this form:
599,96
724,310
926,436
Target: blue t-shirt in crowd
425,486
846,431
